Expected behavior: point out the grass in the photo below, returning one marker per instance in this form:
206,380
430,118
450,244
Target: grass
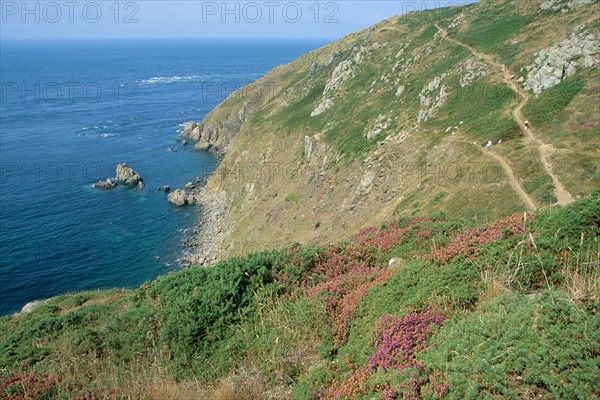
518,297
490,29
270,322
542,109
293,198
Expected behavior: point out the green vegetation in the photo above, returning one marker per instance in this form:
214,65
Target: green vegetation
478,106
453,305
293,197
324,320
491,28
547,105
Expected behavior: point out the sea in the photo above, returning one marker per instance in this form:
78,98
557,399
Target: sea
70,111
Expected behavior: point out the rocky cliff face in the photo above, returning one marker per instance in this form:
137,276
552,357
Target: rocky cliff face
561,60
216,135
391,120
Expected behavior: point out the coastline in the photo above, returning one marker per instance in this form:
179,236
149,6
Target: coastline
207,244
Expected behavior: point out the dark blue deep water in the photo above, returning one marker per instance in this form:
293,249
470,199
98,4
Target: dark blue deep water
69,113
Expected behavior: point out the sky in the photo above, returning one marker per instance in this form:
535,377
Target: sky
111,19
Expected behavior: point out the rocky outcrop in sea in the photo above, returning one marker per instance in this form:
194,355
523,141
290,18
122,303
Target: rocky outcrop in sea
181,198
124,175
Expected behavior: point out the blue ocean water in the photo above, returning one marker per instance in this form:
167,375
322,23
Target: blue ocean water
69,113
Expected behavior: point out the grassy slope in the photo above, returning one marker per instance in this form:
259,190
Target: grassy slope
518,300
412,175
306,320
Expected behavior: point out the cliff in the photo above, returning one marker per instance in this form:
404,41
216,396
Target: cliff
392,121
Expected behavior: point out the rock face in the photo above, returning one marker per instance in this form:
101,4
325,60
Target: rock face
560,61
166,188
105,185
430,100
558,5
381,124
341,74
128,176
216,135
181,198
344,71
472,70
29,307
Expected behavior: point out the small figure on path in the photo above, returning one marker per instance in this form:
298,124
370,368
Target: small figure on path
526,125
488,146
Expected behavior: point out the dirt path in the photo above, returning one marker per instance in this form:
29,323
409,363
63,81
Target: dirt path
563,196
514,183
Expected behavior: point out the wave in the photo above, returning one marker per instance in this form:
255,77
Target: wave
171,79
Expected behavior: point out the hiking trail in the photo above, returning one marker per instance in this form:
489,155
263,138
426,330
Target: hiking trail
563,196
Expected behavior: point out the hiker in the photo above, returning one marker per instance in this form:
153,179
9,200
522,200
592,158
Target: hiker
526,125
488,146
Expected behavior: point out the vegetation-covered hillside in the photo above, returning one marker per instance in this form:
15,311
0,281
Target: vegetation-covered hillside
479,276
393,119
423,307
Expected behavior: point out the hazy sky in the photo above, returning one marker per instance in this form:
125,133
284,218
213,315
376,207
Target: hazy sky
196,18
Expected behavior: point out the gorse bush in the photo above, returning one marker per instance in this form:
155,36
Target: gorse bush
341,320
517,347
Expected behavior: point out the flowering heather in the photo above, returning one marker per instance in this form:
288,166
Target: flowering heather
469,242
397,342
345,292
27,386
386,239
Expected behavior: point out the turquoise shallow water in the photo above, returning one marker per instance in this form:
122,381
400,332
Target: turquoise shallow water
69,112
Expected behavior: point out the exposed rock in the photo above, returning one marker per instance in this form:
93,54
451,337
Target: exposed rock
180,198
473,69
173,149
366,184
400,90
216,135
322,107
208,245
428,101
105,185
381,124
331,58
184,143
458,21
190,185
340,74
166,188
314,68
561,5
308,147
127,175
29,307
141,185
560,61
